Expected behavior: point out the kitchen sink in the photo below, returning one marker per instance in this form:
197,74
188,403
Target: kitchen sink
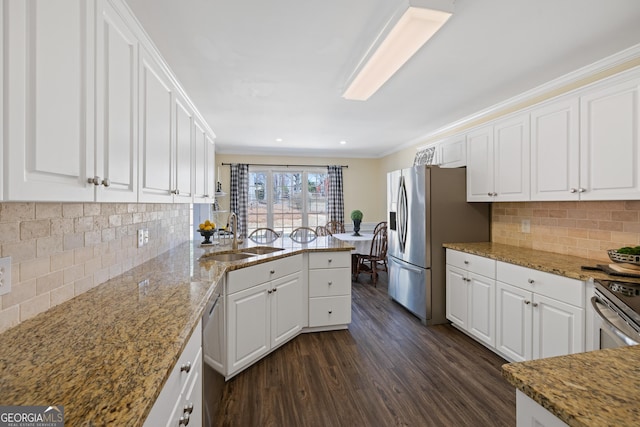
260,250
229,256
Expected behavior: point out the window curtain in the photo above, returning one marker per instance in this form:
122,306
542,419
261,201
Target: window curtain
335,205
239,195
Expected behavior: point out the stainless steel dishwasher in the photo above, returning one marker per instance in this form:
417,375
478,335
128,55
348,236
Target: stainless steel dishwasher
213,350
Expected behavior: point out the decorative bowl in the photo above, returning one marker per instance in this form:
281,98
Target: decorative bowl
207,236
618,257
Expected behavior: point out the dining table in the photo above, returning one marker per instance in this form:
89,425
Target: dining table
361,243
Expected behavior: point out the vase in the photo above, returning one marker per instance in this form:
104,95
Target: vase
207,236
356,227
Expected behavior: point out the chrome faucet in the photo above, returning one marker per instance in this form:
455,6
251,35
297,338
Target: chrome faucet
235,229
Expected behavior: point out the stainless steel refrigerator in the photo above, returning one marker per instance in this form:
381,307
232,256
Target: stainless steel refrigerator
427,207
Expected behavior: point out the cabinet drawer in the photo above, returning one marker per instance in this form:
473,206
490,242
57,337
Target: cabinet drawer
326,311
329,259
248,277
570,291
473,263
329,282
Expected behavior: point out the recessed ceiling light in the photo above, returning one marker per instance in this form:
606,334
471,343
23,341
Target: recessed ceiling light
278,139
343,142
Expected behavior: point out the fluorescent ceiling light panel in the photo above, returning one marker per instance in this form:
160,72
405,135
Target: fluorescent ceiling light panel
416,26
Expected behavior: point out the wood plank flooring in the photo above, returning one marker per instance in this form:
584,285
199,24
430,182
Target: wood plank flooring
387,369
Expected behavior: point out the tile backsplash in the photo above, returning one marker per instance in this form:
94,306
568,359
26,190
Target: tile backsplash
60,250
585,229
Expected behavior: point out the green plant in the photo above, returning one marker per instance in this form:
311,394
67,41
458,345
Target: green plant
356,215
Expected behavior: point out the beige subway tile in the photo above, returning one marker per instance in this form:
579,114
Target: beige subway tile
578,232
19,292
73,241
61,226
568,241
83,285
600,235
580,252
100,276
632,205
48,210
625,216
62,294
48,246
121,208
127,218
132,207
35,268
586,223
101,222
83,224
540,213
625,239
61,260
115,270
577,213
73,273
9,232
598,255
507,211
609,205
588,243
34,229
610,225
138,217
567,223
48,282
11,211
82,255
550,222
108,259
498,211
92,266
108,234
9,317
36,305
631,227
92,209
72,210
557,213
92,238
599,215
115,220
108,209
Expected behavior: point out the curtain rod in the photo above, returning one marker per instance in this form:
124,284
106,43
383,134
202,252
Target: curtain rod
287,166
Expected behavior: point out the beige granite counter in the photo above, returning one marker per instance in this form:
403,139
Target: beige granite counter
106,353
598,388
563,265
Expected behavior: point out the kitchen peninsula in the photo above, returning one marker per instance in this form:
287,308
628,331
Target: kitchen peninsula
106,354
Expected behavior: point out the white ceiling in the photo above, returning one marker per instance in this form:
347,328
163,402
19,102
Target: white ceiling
259,70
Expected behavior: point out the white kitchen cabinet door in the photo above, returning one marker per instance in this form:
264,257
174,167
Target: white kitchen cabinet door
513,322
248,316
156,148
457,296
480,165
453,152
530,414
204,166
116,168
511,159
286,308
482,313
610,143
49,100
555,151
558,328
184,144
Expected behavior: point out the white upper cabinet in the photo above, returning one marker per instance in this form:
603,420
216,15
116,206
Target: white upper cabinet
49,100
610,142
204,165
453,152
555,151
116,168
498,161
184,142
156,149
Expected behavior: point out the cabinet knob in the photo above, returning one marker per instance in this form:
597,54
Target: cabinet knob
489,194
274,289
188,408
95,180
106,182
535,304
527,302
330,283
176,191
581,190
330,259
530,281
185,367
494,194
184,420
205,195
466,262
330,311
573,190
272,272
269,291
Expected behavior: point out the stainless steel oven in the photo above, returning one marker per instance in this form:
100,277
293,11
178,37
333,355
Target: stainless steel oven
617,308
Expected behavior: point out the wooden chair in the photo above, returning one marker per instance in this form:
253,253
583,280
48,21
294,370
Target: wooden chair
323,231
335,227
303,235
368,264
383,263
264,235
379,226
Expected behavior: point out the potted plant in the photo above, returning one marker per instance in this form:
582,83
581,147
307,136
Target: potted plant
356,217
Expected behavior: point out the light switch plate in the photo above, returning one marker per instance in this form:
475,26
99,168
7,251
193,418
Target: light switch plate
525,226
5,275
140,238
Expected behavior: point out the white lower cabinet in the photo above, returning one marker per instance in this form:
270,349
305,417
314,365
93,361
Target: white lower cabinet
329,289
531,414
181,395
520,313
264,310
471,294
538,314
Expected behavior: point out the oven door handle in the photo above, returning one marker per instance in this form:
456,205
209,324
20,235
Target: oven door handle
627,340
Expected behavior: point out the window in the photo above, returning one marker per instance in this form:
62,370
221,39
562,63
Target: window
286,199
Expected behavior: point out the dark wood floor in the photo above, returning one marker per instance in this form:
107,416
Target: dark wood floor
386,370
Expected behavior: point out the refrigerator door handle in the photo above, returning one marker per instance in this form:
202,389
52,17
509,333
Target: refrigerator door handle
402,214
406,266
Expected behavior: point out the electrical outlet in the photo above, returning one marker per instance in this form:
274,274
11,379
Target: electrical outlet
146,236
525,226
5,275
140,238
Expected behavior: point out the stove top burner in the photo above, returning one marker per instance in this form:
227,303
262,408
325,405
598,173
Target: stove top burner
623,295
626,289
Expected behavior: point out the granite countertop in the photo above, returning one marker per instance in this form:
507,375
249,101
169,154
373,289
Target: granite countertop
106,353
563,265
597,388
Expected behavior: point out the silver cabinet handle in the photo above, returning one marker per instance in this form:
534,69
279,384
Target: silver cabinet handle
184,420
466,262
330,311
176,191
95,180
330,260
272,272
527,302
188,408
581,190
106,182
573,190
330,283
489,194
269,291
205,195
275,289
185,367
531,281
535,304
